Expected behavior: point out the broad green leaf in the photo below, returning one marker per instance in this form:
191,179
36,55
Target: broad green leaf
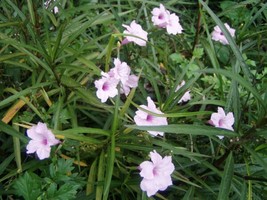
28,186
186,129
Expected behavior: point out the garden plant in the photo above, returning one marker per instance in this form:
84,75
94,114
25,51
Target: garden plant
133,99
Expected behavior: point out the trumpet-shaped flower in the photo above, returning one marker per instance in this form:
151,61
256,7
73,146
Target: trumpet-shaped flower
156,174
160,16
164,19
143,118
173,26
222,120
186,97
217,34
41,140
137,31
106,87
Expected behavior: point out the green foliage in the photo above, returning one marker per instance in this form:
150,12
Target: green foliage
60,183
49,62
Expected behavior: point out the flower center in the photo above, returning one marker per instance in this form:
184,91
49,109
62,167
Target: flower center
161,16
105,87
149,118
221,33
221,122
155,171
44,142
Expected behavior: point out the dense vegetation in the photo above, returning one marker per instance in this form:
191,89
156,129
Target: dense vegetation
51,55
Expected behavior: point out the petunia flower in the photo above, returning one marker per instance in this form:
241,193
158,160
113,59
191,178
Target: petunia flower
222,120
217,34
186,97
106,87
41,140
164,19
156,174
143,118
136,30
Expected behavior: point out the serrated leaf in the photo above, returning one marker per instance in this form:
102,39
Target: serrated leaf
198,52
28,186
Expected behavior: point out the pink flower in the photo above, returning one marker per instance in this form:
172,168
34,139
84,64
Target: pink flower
156,174
136,30
221,120
143,118
132,82
173,26
186,97
163,19
121,72
217,34
160,16
41,140
106,87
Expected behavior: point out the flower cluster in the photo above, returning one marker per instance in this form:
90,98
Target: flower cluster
156,174
120,74
217,34
162,18
41,140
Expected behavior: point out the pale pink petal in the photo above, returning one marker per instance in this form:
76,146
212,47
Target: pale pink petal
43,152
32,146
220,120
42,140
156,174
160,16
106,87
142,118
217,34
174,27
155,157
136,30
229,119
132,81
148,185
147,170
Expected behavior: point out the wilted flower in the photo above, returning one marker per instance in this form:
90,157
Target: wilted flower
41,140
218,35
221,120
186,97
106,87
163,19
143,118
136,30
156,174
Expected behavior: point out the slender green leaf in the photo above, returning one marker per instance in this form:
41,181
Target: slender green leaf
227,178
